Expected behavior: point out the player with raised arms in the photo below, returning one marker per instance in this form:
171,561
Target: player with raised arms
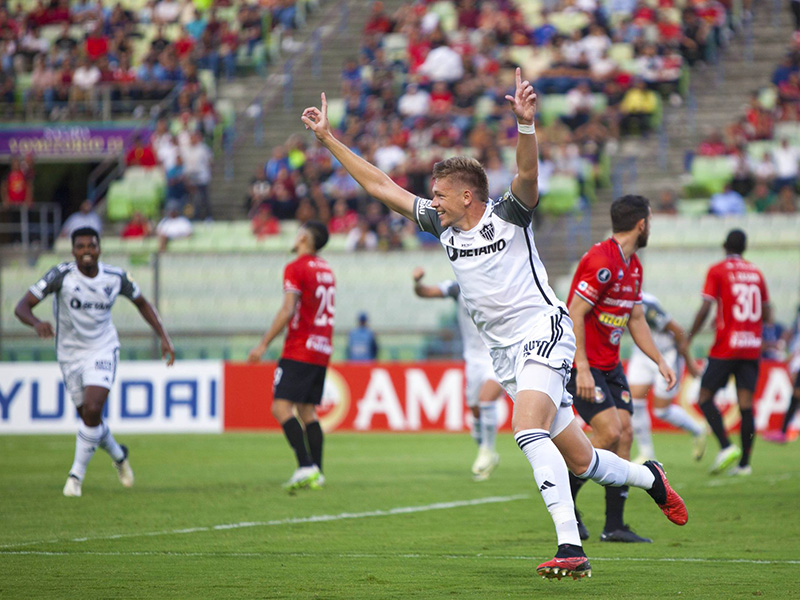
87,344
526,328
482,388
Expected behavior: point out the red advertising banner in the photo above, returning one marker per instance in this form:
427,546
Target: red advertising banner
424,396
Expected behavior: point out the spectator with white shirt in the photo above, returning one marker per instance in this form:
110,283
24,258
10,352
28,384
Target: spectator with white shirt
786,159
173,226
442,64
197,161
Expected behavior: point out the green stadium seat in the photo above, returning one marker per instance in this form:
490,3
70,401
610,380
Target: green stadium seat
563,195
118,202
711,173
336,112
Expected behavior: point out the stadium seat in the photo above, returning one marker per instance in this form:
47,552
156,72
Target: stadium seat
563,195
710,174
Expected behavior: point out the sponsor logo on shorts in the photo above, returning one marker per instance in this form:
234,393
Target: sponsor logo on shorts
625,396
603,275
104,365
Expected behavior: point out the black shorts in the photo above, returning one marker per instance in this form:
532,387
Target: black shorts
797,381
719,370
611,391
299,382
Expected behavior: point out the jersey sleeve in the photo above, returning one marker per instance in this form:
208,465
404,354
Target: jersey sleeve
129,288
512,210
292,279
51,282
450,289
592,278
711,286
427,218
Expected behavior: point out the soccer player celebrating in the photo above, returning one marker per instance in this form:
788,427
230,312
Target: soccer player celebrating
526,328
643,374
483,389
740,292
308,308
87,344
604,298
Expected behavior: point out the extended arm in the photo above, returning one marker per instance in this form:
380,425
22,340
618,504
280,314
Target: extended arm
376,183
640,331
525,184
684,349
150,314
584,382
422,290
699,319
24,312
279,323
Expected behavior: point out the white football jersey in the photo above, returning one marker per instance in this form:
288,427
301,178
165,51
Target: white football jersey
474,351
657,318
82,306
502,279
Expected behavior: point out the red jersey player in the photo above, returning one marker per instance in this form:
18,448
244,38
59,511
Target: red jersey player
309,290
739,290
606,297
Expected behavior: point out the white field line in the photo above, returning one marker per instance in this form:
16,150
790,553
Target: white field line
401,510
659,559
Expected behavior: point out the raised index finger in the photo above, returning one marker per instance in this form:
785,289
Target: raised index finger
519,77
324,105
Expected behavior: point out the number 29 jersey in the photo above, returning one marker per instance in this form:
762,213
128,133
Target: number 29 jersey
309,336
739,290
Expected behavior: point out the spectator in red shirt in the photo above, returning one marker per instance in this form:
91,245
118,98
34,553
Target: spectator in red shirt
96,43
713,145
15,190
140,155
378,22
137,227
264,223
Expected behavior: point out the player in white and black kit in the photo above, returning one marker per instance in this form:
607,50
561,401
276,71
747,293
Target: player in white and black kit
670,339
526,328
87,345
483,389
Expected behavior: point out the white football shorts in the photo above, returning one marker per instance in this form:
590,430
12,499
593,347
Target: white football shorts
95,369
643,371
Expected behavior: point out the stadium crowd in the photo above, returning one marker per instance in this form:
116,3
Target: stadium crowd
429,81
63,55
761,147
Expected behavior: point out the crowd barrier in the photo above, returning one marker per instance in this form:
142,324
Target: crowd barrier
216,396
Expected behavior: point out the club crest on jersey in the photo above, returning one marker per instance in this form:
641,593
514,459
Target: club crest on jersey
620,274
487,232
603,275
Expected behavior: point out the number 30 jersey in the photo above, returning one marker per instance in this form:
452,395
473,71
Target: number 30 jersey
309,337
740,292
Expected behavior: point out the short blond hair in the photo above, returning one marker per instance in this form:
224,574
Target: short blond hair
467,171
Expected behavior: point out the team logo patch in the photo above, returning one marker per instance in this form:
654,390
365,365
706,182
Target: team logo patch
625,396
599,395
582,286
620,274
108,289
603,275
487,232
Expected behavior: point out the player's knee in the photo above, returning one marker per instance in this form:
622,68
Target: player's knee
608,438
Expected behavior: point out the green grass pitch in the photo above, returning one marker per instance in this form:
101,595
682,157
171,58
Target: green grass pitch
400,518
